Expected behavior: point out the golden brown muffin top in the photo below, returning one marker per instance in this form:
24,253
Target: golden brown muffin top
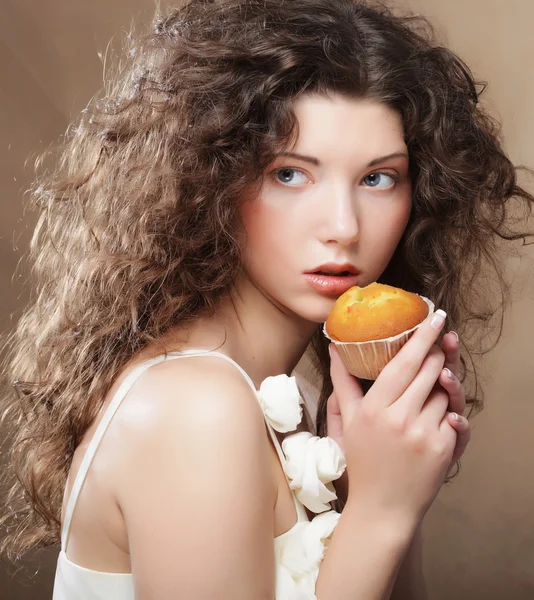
374,312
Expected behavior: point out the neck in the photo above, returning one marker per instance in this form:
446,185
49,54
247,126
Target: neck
262,337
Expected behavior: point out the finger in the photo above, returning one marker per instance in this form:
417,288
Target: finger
455,389
416,394
334,421
346,387
402,368
450,436
450,345
463,429
332,406
434,409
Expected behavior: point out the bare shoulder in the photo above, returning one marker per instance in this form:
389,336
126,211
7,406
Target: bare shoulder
195,484
194,387
184,403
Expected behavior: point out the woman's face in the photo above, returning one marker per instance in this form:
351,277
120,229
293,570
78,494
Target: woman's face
337,201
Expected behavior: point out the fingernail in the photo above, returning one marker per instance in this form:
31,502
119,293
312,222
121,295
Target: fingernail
457,337
438,319
330,350
449,373
456,416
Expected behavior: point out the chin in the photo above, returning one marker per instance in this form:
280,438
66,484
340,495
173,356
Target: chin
315,310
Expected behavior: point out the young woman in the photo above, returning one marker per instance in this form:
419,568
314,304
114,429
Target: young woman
250,161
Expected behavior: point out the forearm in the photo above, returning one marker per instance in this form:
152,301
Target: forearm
410,582
363,557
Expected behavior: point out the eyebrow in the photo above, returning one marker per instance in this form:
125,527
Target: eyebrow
316,162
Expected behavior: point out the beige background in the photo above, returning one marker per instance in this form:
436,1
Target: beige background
480,532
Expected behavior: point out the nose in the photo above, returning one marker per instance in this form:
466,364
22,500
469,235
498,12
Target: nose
341,224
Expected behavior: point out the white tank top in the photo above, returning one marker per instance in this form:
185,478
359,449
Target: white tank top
74,582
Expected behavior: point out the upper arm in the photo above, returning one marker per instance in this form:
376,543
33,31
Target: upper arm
198,494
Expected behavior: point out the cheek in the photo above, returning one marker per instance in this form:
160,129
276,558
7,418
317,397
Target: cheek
265,230
386,227
400,220
401,215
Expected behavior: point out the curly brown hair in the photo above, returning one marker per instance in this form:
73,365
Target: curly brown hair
138,223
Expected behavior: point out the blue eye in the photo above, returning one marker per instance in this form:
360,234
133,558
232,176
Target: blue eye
380,181
286,176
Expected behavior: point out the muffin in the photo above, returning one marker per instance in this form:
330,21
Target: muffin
369,325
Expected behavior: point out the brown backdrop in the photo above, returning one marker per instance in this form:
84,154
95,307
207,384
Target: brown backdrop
480,533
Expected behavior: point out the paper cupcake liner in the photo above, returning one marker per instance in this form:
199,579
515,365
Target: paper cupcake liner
366,360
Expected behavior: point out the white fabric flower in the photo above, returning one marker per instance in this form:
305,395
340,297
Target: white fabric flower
312,464
299,556
281,402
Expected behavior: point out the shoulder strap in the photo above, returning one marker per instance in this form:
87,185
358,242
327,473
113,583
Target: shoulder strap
124,388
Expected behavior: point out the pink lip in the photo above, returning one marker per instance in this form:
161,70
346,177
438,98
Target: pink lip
332,285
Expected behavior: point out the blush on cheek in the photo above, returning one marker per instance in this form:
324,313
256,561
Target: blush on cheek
397,222
261,221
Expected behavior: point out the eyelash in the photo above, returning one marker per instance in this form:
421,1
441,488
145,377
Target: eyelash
274,173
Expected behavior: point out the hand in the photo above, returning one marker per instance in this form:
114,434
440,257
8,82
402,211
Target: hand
398,439
448,379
